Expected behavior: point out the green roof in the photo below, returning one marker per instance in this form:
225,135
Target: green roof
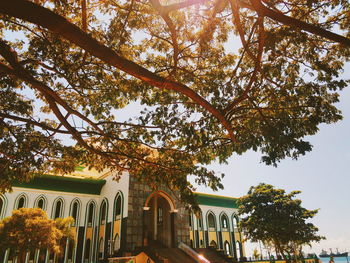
64,184
216,200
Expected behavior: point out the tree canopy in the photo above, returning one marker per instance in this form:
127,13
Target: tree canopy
29,229
276,218
200,80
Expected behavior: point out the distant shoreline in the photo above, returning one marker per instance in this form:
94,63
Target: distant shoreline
336,259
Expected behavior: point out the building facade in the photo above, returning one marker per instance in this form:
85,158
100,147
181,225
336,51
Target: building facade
116,218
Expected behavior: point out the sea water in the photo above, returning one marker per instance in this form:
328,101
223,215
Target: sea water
336,260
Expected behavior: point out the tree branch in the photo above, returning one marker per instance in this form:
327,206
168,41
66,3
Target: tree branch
184,4
156,4
290,21
35,123
57,24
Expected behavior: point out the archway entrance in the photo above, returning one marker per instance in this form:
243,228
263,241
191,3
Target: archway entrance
159,218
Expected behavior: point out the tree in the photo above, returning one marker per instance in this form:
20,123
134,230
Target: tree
70,69
29,229
274,217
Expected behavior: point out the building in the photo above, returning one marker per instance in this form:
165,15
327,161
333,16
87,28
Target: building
116,218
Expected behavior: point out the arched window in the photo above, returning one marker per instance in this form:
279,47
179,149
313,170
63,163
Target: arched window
58,208
227,248
200,223
224,221
213,244
91,213
190,219
118,207
21,202
87,251
40,202
116,245
211,221
103,212
75,207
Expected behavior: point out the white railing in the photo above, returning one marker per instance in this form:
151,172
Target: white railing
193,254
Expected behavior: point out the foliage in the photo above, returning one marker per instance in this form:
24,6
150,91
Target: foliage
274,217
200,80
29,229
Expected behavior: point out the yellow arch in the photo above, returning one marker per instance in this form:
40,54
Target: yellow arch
166,196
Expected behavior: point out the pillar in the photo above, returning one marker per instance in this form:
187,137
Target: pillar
145,214
155,216
173,228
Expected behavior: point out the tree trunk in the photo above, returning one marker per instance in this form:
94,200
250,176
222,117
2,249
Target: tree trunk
280,250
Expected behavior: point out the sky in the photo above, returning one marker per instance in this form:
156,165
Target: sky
322,175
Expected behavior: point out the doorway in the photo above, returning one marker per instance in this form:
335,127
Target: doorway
159,219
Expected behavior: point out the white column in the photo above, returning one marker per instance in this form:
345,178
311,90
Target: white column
7,253
66,251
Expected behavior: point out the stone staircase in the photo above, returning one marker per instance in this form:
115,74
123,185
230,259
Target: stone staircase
160,254
173,255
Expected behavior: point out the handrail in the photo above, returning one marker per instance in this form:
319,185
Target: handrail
193,254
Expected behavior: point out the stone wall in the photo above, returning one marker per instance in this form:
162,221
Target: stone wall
138,193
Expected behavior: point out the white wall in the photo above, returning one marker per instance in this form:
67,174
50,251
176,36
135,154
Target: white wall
108,191
217,212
